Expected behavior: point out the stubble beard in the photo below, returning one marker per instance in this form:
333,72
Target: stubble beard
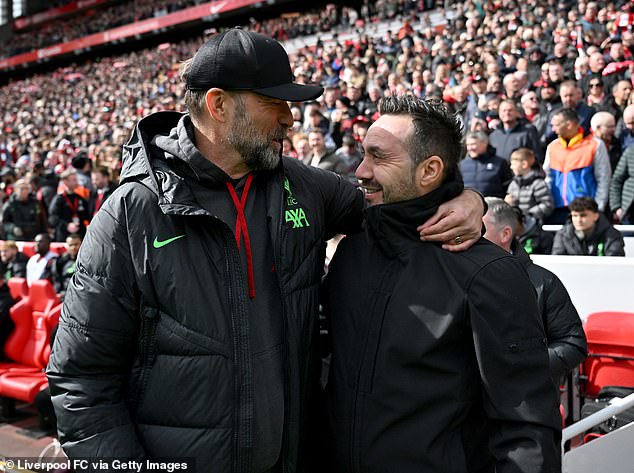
403,189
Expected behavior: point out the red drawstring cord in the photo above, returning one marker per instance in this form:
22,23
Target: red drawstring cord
241,227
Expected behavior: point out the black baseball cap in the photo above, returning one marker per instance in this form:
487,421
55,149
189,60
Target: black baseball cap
243,60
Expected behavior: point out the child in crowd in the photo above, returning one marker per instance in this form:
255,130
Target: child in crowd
528,189
588,233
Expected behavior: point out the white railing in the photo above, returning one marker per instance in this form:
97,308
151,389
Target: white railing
625,229
613,452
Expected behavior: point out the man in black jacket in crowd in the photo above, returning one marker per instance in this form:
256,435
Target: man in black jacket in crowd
567,346
439,360
22,215
13,261
190,327
65,266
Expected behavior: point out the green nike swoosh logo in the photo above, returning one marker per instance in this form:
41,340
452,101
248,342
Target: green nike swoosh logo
161,244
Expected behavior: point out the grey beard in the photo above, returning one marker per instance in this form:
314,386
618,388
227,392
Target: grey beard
259,157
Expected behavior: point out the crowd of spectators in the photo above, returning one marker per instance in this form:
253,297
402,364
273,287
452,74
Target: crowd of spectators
89,22
510,69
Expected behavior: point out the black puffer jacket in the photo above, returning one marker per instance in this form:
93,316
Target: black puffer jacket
27,215
439,360
152,356
605,240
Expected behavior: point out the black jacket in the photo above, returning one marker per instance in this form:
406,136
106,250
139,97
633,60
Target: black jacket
17,267
63,270
60,214
567,346
439,360
152,357
488,173
521,136
27,215
605,240
95,203
535,240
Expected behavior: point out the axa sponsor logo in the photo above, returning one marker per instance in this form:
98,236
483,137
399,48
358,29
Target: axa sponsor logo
294,213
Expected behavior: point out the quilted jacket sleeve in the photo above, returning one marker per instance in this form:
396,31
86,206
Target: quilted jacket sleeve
95,344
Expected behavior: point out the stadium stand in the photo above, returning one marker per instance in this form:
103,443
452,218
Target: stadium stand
460,52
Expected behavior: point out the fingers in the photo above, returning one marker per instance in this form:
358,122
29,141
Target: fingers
467,241
439,223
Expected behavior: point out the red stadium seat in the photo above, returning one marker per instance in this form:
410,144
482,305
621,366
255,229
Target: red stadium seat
26,247
59,248
28,345
19,288
610,359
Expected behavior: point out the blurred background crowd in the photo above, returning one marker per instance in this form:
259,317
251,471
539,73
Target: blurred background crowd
508,68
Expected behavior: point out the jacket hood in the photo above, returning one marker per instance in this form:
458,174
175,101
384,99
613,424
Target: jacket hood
136,156
158,143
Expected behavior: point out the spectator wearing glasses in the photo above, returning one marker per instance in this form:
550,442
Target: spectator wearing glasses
596,92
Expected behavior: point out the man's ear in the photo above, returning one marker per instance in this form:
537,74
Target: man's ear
507,234
217,104
430,172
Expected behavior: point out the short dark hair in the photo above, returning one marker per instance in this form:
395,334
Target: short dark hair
436,131
582,204
568,114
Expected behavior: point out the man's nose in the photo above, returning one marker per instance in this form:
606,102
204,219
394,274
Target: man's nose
363,171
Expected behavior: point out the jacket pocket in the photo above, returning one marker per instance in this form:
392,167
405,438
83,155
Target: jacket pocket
147,354
175,338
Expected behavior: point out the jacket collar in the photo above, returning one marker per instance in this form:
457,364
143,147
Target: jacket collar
578,138
520,253
393,226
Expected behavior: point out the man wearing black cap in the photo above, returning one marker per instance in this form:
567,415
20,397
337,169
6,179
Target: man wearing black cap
189,328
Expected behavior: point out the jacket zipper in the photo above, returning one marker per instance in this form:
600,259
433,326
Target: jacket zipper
148,331
277,258
242,432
